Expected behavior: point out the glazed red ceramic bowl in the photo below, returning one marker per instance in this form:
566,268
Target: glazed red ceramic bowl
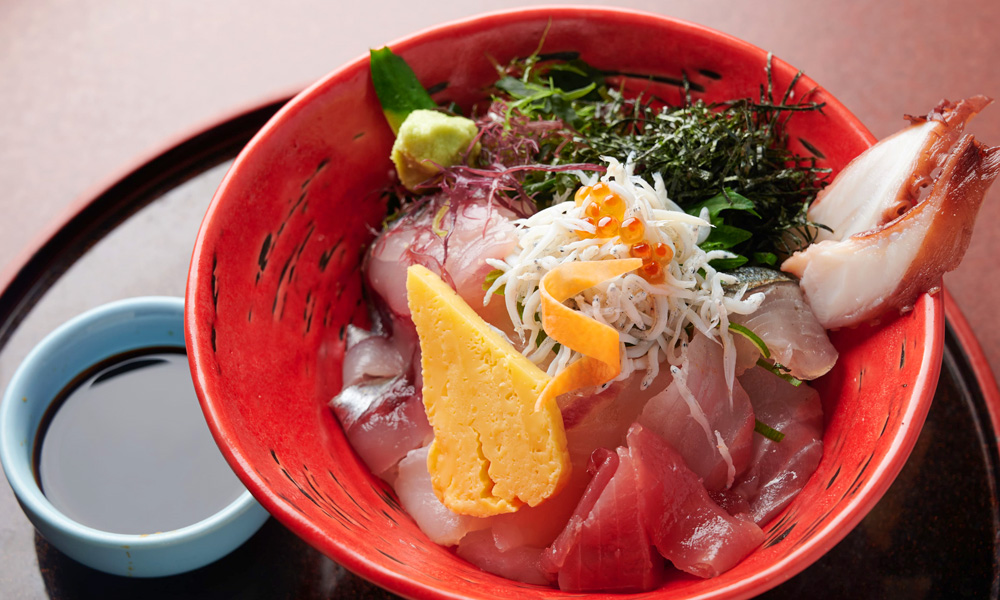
275,279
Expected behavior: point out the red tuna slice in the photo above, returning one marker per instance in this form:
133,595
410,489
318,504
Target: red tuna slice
779,470
604,547
592,420
732,502
454,242
686,526
712,430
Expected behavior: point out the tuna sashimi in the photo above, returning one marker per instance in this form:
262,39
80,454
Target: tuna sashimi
416,494
602,419
453,242
640,496
786,324
383,419
779,470
593,419
605,546
687,527
709,424
732,502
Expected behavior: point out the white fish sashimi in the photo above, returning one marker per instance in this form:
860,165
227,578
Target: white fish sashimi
779,470
454,242
416,494
374,357
383,419
520,563
789,329
710,425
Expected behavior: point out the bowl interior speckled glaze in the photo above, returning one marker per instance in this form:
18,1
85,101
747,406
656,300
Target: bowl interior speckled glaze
275,279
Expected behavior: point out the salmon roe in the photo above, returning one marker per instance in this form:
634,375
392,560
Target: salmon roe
607,227
662,253
614,206
603,207
632,230
605,210
655,258
651,271
600,191
641,250
586,234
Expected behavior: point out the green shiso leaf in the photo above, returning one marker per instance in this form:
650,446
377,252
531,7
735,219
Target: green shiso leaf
724,237
765,258
726,200
728,264
397,87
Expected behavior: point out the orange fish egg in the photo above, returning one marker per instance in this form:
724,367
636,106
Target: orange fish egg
582,194
641,250
592,210
600,191
662,253
614,206
632,230
651,271
586,234
607,227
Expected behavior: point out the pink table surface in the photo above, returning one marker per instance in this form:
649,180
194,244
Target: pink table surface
88,87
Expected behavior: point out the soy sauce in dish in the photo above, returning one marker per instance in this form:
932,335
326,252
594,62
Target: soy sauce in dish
124,448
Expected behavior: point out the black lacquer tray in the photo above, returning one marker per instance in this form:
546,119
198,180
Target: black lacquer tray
933,535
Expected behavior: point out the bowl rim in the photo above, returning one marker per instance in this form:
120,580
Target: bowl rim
930,308
20,474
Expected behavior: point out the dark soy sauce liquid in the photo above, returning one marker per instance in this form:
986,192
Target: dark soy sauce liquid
125,448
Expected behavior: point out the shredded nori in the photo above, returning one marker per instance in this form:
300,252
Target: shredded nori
701,150
552,116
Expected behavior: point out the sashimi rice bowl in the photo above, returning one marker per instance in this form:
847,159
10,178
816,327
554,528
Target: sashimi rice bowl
577,300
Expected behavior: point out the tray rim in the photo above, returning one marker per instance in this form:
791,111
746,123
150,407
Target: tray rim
138,183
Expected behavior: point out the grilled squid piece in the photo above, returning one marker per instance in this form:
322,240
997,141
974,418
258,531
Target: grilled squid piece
885,251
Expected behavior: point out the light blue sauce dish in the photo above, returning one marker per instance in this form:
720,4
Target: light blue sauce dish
96,337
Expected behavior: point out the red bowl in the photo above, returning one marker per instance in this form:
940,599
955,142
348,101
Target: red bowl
275,279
